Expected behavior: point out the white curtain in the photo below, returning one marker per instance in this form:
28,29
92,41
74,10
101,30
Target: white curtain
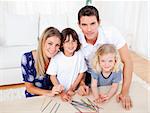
130,17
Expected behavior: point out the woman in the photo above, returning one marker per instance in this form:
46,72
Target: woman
34,65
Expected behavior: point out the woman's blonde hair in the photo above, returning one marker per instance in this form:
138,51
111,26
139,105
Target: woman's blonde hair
41,59
102,50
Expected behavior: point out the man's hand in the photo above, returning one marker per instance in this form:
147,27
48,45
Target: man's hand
83,90
125,100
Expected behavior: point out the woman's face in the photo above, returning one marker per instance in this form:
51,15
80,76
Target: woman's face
51,46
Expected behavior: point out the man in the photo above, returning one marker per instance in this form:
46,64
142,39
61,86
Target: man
93,36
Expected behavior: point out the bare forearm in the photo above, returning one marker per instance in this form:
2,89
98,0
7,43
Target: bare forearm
95,92
77,81
37,91
82,82
127,69
54,80
113,90
127,77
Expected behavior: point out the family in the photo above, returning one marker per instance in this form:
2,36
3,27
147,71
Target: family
66,62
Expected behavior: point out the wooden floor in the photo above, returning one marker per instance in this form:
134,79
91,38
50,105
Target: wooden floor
141,68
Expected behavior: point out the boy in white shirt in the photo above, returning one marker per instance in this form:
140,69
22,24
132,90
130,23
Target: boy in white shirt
68,66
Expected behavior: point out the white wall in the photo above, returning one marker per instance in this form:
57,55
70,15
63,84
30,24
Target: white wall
131,18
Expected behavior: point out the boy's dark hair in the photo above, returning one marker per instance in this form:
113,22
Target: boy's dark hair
69,32
88,11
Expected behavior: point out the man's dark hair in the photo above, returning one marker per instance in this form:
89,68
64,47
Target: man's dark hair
88,11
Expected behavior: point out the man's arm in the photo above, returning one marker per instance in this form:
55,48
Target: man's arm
127,76
127,69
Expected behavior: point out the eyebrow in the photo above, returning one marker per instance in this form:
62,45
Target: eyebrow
83,24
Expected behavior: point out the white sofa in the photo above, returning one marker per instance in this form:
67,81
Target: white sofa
10,61
19,34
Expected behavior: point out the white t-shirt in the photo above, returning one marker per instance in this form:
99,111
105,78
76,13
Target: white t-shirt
67,68
107,34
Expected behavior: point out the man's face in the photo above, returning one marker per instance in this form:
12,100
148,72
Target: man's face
89,26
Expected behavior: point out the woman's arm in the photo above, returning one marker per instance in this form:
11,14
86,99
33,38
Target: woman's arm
37,91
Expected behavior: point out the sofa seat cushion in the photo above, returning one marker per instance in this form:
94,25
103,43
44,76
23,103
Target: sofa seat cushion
10,57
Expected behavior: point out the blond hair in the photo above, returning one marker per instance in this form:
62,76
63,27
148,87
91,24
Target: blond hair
41,59
102,50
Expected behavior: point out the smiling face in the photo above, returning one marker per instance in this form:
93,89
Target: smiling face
107,62
89,26
51,46
69,46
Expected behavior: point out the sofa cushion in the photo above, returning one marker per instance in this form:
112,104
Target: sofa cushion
20,29
10,57
10,76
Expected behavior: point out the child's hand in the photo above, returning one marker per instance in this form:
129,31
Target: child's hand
103,97
83,90
57,89
60,87
97,100
65,97
70,92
